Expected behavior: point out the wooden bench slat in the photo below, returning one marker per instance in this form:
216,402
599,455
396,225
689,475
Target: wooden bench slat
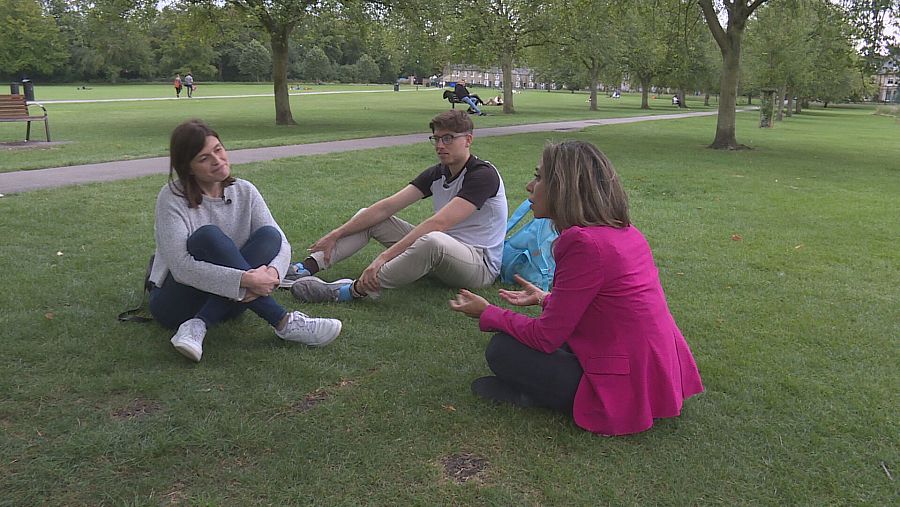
14,108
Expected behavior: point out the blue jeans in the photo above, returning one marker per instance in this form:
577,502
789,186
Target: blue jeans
174,303
471,102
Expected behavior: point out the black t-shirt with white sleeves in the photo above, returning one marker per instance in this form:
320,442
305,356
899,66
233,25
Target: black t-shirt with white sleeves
480,183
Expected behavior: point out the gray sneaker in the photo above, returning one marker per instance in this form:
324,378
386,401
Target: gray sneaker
188,340
293,274
304,329
311,289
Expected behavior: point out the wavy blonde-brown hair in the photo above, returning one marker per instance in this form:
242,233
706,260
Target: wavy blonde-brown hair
583,187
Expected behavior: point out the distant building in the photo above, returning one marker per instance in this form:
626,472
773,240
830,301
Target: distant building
492,77
888,82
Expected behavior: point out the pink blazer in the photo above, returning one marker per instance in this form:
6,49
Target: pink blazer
608,305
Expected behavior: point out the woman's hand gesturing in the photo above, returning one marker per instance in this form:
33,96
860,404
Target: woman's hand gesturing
468,303
529,295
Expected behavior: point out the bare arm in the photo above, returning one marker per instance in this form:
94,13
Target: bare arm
374,214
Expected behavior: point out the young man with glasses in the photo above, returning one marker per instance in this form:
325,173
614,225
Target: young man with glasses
461,243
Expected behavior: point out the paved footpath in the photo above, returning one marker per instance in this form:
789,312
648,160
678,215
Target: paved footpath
23,181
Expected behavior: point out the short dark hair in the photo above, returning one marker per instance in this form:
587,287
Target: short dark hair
188,139
454,120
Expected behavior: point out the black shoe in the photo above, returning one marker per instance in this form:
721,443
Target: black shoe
496,390
482,114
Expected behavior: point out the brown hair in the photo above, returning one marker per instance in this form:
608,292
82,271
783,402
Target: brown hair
582,186
188,139
454,120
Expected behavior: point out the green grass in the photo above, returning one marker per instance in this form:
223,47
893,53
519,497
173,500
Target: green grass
105,131
794,326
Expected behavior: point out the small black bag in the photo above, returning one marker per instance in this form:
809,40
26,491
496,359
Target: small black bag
132,315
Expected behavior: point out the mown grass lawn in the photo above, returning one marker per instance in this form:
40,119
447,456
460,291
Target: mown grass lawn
780,265
103,131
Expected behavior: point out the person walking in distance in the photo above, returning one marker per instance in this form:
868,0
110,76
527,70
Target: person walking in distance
189,84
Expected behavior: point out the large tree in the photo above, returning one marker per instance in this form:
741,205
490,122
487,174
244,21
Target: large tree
644,42
30,39
686,39
729,40
778,48
871,20
595,54
503,29
279,18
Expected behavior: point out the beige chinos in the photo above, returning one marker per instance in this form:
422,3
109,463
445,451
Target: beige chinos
450,260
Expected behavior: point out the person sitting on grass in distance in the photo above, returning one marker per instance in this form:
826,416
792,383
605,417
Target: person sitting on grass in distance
218,249
461,243
605,347
462,93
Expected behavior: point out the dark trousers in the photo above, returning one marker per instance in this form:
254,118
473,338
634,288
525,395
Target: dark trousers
174,303
548,380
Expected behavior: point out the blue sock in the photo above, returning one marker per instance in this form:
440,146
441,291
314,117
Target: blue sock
301,270
344,293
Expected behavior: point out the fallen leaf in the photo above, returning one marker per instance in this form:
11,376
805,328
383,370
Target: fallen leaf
449,408
49,315
736,237
59,253
680,273
798,247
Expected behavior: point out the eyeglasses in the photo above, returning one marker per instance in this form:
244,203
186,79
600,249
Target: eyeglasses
446,138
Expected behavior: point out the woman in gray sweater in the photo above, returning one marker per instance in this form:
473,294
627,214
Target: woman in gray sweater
218,249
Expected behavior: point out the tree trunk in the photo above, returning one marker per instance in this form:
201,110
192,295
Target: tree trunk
729,42
789,109
681,102
706,99
595,73
797,106
506,64
731,64
779,104
283,114
645,92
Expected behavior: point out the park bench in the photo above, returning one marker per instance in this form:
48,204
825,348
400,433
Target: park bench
15,108
454,100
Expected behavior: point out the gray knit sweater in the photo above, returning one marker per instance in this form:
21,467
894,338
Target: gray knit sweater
240,212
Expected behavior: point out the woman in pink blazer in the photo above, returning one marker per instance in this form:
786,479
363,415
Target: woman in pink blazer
605,348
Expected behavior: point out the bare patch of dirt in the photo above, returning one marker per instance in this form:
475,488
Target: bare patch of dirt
174,497
20,145
464,467
310,401
137,409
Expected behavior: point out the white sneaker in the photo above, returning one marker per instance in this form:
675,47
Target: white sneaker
189,339
309,331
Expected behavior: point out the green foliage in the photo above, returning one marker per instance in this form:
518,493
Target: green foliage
876,25
30,40
255,61
316,66
591,59
367,71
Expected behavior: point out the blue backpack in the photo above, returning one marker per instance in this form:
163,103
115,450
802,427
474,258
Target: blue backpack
529,251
